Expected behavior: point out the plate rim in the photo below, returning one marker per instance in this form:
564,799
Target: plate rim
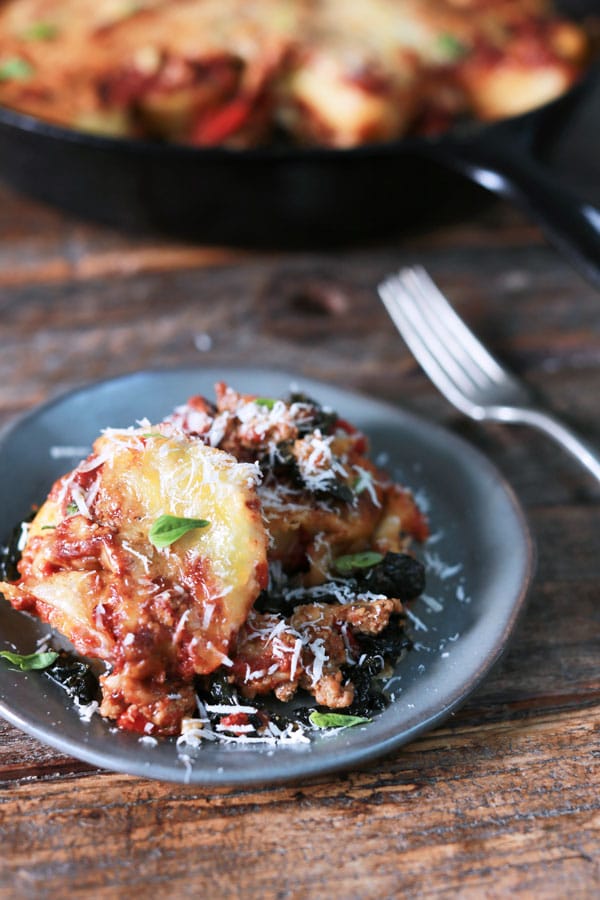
350,758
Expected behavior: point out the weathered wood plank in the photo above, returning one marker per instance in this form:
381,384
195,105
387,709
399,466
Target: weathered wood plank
288,311
447,812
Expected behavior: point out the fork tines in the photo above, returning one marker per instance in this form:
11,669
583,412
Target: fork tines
448,351
461,367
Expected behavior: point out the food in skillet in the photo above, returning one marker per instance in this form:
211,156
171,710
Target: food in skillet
234,552
244,72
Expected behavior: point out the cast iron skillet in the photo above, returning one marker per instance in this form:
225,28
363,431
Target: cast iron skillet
287,196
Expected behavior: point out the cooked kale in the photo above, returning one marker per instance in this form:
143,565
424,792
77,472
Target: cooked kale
389,643
283,463
369,696
397,575
273,602
216,689
336,489
378,651
75,677
282,717
321,419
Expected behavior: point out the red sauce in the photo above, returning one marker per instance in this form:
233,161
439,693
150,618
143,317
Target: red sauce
261,571
215,126
133,720
234,719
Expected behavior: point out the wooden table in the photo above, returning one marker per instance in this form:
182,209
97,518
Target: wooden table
505,797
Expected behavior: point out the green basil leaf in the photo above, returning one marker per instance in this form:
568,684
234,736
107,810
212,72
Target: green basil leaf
15,69
269,402
72,509
450,47
40,31
345,565
47,527
168,529
336,720
40,660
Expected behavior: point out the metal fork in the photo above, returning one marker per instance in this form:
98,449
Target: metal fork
461,367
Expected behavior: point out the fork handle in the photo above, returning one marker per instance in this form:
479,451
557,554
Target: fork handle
583,452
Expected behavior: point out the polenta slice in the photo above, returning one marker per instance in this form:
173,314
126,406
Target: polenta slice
149,555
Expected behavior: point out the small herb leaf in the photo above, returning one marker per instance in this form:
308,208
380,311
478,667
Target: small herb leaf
168,529
335,720
450,47
40,660
40,31
345,565
15,69
268,402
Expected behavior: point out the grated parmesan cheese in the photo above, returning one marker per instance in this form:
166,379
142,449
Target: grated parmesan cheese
441,568
419,625
60,451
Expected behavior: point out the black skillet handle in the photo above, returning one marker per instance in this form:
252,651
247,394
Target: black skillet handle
505,167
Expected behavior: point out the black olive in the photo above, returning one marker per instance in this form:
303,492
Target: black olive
397,575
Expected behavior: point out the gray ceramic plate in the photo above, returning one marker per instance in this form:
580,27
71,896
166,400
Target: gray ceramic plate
479,563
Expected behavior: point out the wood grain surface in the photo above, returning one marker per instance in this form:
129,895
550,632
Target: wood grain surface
503,799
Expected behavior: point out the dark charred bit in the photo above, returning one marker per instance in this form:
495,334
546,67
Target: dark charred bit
397,575
319,418
75,677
